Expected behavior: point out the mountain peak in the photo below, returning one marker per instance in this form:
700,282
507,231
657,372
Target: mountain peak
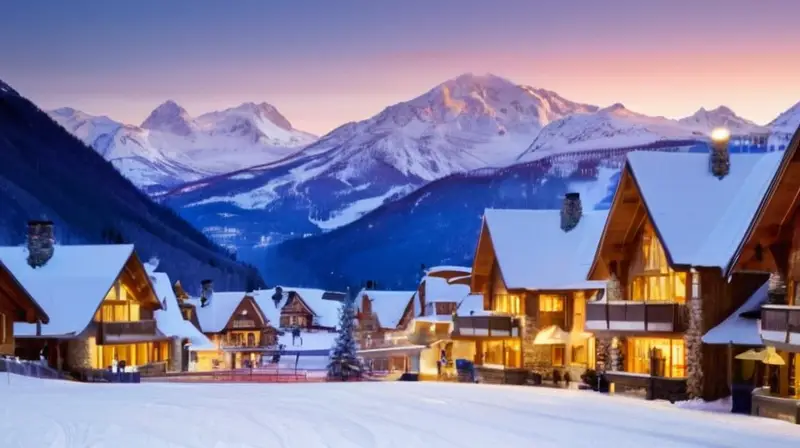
169,117
705,120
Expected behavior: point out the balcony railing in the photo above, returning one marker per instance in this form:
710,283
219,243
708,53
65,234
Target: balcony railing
489,326
142,328
630,316
232,343
781,324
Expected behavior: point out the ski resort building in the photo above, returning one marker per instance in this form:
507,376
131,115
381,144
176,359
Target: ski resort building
99,300
772,244
530,268
675,223
381,335
16,305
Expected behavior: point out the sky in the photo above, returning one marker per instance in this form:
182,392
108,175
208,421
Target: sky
323,63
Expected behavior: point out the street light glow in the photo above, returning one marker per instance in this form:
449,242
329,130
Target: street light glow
720,135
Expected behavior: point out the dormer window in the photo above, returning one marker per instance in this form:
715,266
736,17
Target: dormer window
651,278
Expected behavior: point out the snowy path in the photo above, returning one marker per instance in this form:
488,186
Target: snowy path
36,414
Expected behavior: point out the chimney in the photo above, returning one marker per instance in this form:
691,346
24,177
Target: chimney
206,292
571,211
40,243
720,159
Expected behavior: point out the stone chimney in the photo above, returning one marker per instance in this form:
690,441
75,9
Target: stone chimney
41,243
278,296
719,160
206,292
571,211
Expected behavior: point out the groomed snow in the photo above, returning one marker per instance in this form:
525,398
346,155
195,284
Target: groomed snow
359,415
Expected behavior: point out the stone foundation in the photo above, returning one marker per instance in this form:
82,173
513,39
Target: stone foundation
79,354
535,358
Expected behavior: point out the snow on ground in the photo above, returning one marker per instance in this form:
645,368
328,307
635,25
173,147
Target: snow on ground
358,415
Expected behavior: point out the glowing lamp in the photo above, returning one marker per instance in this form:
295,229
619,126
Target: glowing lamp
720,135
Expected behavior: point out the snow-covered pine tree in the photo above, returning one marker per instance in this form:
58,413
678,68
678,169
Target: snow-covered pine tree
343,361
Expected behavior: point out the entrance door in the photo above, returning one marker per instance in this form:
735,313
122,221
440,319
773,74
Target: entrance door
185,358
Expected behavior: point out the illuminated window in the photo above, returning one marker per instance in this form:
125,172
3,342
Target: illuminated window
551,303
558,355
496,352
669,356
579,353
651,277
506,303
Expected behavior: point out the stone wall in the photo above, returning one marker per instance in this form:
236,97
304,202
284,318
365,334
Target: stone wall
79,353
694,348
535,358
175,355
616,353
602,359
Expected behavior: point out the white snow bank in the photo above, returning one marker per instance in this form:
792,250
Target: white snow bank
722,405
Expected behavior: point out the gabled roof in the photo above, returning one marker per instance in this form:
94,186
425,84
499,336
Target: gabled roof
326,311
169,319
388,306
699,218
533,252
215,316
738,329
71,286
21,296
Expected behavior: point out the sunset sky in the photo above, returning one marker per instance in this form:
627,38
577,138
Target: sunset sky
326,62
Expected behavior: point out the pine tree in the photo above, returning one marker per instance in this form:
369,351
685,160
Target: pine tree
343,361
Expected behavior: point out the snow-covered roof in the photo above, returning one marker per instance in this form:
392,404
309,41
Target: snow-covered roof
326,311
316,340
534,253
435,269
70,286
169,319
389,306
216,314
472,305
700,218
437,289
737,329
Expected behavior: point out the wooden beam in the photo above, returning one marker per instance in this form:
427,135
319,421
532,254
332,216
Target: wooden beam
780,255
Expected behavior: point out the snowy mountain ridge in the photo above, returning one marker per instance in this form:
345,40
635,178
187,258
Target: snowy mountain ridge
170,147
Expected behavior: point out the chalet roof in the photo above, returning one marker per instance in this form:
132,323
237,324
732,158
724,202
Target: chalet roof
738,329
437,289
169,319
311,341
41,315
534,253
326,311
388,306
216,314
71,286
472,305
699,218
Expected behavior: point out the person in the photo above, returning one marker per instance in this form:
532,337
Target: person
43,354
115,365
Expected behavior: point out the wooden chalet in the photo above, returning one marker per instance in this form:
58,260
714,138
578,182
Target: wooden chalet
16,305
772,244
100,301
674,224
381,336
236,326
530,268
306,309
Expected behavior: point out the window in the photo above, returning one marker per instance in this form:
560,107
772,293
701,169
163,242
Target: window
506,303
579,353
651,277
669,356
551,303
558,355
496,352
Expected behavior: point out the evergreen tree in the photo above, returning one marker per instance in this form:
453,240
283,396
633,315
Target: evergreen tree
343,362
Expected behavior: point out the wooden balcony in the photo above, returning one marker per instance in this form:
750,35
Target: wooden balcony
780,324
126,331
636,317
486,326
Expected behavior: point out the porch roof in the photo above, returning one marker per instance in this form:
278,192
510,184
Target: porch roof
738,329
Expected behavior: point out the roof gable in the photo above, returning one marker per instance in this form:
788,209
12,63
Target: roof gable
72,285
324,310
20,298
216,314
534,253
248,311
169,319
700,219
388,306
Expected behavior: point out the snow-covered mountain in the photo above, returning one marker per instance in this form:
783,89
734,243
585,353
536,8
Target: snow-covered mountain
784,127
611,127
463,124
707,120
171,147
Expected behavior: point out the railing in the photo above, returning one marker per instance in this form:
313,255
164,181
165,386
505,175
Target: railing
489,326
118,329
631,316
244,344
779,322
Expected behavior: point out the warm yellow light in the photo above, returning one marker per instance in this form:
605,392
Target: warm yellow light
720,135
